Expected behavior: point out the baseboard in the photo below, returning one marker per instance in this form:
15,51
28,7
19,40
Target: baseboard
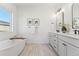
37,42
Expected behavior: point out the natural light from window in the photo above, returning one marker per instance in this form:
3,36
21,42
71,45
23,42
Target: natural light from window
5,17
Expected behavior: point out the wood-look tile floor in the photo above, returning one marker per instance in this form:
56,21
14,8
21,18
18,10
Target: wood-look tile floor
38,50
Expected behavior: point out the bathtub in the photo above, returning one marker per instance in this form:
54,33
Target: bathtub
11,47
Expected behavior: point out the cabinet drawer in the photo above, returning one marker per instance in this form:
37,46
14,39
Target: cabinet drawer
72,41
67,39
75,42
54,35
55,40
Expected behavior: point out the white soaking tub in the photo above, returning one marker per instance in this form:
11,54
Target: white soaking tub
11,47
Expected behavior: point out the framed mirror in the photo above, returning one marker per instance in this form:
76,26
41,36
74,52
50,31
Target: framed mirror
5,18
75,16
59,21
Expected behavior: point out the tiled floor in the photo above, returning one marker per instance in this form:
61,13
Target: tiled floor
38,50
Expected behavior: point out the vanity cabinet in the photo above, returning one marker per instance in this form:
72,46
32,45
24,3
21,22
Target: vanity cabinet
64,45
67,46
53,41
65,49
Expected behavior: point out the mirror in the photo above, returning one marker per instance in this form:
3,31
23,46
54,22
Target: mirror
59,21
75,16
5,17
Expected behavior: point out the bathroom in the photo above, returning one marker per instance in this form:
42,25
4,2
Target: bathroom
39,29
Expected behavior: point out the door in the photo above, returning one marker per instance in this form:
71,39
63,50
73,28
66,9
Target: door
62,48
72,50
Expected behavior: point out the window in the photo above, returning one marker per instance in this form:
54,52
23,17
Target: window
5,17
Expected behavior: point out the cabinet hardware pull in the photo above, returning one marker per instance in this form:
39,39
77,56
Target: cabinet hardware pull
64,44
54,46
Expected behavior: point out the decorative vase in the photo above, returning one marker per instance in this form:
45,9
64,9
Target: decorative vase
64,29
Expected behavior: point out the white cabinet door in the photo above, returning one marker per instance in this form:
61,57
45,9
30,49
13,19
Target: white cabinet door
62,48
72,51
51,43
55,42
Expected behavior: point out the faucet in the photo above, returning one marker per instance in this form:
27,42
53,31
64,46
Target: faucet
75,31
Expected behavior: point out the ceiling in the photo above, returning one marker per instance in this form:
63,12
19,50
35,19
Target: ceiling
40,4
52,6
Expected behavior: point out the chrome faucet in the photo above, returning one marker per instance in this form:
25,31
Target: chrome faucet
76,32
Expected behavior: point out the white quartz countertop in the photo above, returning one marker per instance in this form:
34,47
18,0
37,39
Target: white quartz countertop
76,36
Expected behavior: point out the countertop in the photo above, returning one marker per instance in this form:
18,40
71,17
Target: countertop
76,36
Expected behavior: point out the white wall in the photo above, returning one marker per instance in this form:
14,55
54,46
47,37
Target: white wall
39,12
4,34
67,9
